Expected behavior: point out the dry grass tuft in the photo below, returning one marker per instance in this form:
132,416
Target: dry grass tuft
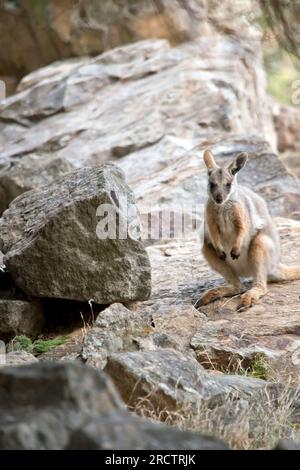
258,424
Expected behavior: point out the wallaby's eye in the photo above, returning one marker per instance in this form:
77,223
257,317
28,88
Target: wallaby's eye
212,185
228,185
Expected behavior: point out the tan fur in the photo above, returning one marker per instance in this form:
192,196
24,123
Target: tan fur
239,221
209,160
286,273
240,238
214,231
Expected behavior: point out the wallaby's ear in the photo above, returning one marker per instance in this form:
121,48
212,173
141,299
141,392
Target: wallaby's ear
238,163
209,160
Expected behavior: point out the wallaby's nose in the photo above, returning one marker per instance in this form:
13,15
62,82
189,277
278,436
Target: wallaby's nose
219,198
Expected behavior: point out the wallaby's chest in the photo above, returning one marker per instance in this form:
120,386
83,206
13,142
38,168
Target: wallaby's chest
225,224
223,221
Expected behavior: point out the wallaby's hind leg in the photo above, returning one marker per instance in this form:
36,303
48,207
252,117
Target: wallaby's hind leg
235,286
285,273
259,252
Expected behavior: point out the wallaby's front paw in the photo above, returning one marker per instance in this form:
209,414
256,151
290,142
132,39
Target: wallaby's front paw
221,254
208,297
247,301
235,253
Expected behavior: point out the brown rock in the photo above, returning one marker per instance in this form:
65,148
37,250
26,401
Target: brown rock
56,29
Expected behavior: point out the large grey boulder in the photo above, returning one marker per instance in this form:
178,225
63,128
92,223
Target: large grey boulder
286,444
54,247
126,431
57,406
42,403
173,381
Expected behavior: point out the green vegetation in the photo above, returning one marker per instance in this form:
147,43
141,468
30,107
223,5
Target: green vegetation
281,73
22,343
258,369
38,346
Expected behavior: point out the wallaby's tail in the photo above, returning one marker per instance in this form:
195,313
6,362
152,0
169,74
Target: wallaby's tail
286,273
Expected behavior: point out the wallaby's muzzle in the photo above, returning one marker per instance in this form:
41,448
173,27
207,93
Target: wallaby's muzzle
218,199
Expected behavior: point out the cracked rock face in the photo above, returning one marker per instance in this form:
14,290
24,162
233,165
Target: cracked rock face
146,100
53,246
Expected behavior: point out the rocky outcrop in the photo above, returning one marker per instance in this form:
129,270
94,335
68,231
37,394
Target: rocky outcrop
54,247
167,100
57,406
55,29
152,109
173,381
168,385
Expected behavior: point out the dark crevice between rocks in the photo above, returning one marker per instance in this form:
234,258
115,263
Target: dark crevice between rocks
61,317
8,289
68,321
65,316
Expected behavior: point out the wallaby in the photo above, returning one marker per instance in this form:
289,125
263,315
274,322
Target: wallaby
240,238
